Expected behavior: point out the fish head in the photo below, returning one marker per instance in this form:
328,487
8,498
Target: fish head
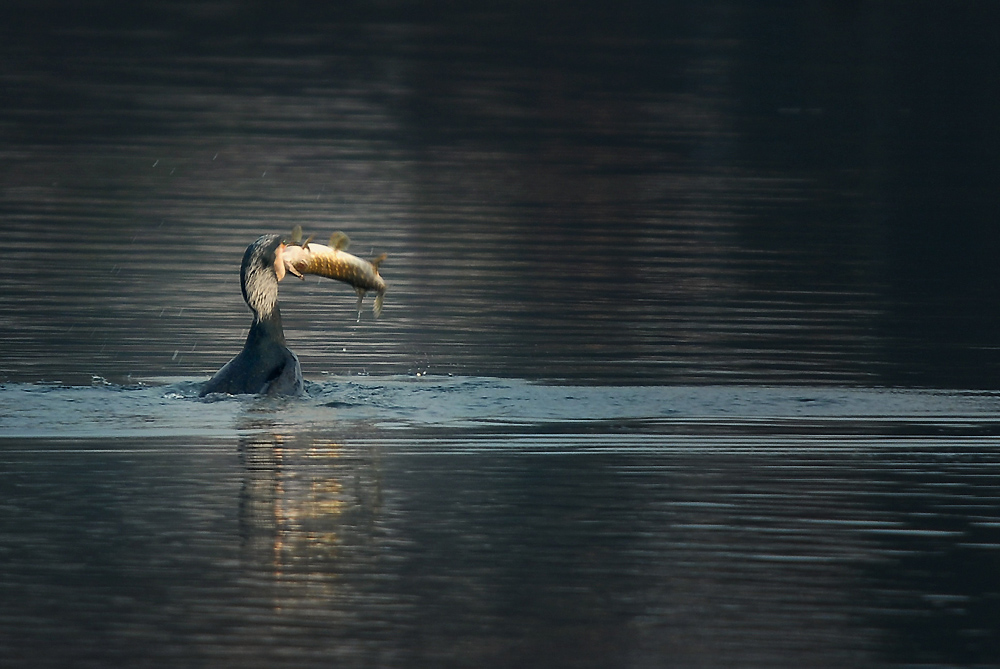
292,258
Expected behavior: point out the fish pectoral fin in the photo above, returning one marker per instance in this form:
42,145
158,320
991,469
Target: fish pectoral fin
340,241
296,239
361,297
377,261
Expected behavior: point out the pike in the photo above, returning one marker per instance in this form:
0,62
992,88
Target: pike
333,262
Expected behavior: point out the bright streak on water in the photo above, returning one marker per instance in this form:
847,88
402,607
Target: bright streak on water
484,407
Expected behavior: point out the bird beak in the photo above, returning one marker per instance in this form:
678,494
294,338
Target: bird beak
279,262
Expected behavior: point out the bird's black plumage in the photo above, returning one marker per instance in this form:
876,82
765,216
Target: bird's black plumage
265,365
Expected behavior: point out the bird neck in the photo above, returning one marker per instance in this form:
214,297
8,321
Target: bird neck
266,329
260,291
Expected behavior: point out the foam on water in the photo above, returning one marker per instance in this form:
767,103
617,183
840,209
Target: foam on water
364,405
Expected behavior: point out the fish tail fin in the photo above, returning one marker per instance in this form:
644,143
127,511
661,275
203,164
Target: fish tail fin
377,307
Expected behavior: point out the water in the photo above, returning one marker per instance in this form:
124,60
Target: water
411,521
688,358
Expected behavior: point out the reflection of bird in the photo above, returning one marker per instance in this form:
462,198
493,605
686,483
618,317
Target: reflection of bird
265,365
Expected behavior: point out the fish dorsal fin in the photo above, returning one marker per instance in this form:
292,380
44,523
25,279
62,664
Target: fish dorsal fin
340,241
377,261
296,234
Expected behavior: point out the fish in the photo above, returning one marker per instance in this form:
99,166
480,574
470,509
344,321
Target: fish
301,257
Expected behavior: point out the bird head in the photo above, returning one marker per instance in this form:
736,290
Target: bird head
262,269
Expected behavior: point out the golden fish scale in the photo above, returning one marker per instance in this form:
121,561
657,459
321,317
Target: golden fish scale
333,267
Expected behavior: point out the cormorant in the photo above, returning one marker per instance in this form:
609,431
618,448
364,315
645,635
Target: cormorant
265,365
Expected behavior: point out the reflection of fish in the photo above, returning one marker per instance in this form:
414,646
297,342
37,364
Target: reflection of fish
334,262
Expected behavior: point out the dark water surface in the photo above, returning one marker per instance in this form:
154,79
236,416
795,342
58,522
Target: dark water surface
460,521
688,358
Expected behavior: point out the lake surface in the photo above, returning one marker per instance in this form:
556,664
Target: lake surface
689,355
463,521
